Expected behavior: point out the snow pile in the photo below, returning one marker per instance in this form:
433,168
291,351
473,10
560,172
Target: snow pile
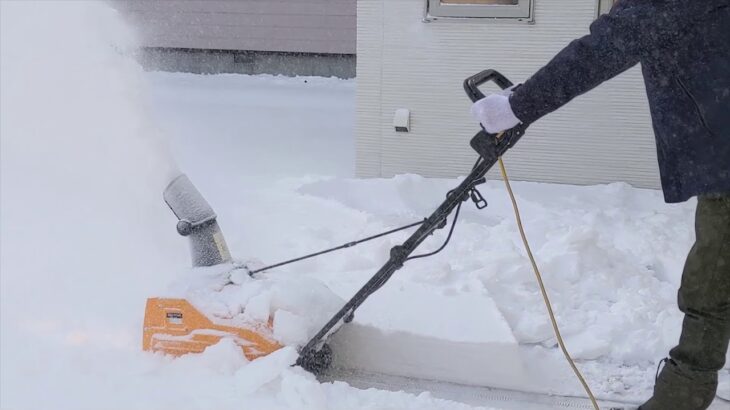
299,306
611,257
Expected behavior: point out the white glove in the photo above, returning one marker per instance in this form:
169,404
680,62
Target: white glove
495,113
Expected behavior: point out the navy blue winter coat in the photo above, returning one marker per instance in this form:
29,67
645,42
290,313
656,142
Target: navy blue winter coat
684,50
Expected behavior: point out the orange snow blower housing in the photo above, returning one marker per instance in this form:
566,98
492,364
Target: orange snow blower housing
175,327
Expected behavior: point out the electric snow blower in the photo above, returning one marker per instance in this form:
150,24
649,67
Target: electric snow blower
175,327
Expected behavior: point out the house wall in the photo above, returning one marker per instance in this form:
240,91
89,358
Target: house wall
403,62
299,26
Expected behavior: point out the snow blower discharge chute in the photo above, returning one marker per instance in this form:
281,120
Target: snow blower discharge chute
176,327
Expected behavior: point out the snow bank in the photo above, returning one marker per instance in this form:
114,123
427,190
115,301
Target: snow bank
299,306
611,257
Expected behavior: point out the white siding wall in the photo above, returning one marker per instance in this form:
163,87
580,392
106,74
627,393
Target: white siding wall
313,26
603,136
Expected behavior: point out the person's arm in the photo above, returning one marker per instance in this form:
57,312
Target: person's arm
615,44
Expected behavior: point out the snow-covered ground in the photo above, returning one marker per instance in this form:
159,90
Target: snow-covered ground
89,142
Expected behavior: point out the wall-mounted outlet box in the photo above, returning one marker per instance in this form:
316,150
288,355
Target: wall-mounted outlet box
402,120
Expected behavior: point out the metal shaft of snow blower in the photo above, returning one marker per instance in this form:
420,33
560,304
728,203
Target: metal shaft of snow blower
490,148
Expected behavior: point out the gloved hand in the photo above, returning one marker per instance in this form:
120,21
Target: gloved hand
495,113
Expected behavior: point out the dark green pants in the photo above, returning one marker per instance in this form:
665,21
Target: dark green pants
688,381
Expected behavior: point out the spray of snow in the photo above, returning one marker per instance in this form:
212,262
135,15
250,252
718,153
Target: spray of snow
86,238
85,235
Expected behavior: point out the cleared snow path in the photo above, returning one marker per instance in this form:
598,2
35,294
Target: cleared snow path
473,395
418,331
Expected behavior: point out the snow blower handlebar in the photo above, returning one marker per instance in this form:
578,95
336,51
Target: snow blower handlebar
314,356
491,146
471,84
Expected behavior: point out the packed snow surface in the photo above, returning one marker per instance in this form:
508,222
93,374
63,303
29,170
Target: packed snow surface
86,237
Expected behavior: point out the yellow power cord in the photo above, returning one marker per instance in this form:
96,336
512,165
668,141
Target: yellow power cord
545,297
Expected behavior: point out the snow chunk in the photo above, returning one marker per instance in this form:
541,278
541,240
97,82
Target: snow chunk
298,305
289,328
224,358
259,307
264,370
300,390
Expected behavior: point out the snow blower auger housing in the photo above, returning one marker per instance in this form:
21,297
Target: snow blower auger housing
174,326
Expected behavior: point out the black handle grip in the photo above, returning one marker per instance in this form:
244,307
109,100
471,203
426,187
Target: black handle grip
471,84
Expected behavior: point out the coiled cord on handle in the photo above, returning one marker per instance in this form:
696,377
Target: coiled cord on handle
545,297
